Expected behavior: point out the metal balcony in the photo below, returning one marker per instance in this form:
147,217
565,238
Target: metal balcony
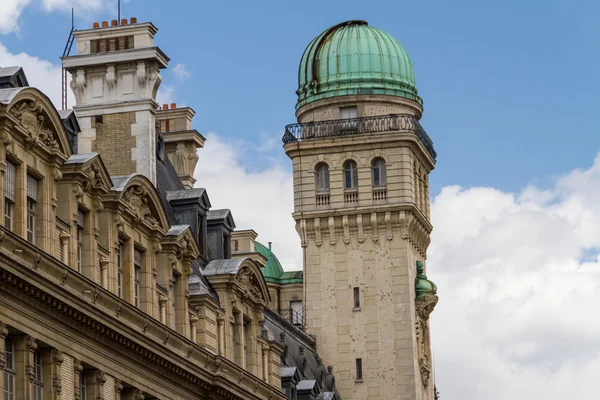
357,126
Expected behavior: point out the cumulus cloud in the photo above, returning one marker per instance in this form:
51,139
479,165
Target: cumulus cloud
10,11
40,73
261,200
181,73
519,280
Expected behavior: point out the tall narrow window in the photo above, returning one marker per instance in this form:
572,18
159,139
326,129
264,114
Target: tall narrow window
83,386
9,195
322,171
174,303
359,370
120,250
9,369
137,268
32,197
350,175
233,334
80,229
38,377
245,339
379,173
356,297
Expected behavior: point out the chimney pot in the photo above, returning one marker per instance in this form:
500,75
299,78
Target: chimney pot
133,20
105,24
165,106
96,25
124,21
114,22
270,244
173,106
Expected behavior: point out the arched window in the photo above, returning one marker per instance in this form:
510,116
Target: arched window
322,171
379,173
350,175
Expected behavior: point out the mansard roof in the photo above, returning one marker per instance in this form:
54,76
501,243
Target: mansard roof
222,216
12,77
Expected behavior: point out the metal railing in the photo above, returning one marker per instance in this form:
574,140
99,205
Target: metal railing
296,318
356,126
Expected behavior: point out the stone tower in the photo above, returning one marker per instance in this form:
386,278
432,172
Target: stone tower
361,162
115,78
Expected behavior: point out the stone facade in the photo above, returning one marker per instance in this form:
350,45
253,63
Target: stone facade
362,242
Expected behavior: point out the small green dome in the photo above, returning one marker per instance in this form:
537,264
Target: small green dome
272,270
424,288
355,58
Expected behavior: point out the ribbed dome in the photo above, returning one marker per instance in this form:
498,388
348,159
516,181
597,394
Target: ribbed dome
355,58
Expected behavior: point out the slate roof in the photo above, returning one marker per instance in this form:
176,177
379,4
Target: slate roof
83,158
167,180
6,95
220,267
217,214
294,339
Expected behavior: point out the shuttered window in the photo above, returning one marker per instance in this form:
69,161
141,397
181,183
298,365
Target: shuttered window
32,199
9,194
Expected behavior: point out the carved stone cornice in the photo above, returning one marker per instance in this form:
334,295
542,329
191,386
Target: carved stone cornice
31,118
407,223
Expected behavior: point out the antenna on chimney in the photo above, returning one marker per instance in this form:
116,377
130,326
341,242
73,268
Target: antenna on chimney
66,53
119,12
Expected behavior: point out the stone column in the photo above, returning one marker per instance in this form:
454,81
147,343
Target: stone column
64,246
77,371
51,362
221,335
147,282
118,389
265,361
3,334
104,263
162,304
25,347
239,335
193,324
95,384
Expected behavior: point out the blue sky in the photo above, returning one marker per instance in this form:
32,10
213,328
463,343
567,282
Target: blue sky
510,99
509,86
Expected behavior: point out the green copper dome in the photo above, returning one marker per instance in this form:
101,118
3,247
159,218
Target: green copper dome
272,271
355,58
424,288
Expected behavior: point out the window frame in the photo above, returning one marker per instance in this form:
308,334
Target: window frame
10,373
356,293
137,269
83,386
351,173
10,181
31,206
120,274
38,377
378,164
325,185
80,238
359,369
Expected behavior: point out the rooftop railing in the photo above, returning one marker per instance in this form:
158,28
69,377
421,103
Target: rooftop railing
357,126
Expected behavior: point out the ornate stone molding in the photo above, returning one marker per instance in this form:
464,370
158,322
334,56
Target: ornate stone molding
31,117
137,199
423,310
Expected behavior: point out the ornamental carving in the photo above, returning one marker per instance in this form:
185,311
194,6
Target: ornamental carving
249,284
30,116
185,249
423,310
137,198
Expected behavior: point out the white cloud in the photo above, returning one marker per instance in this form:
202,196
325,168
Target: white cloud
10,11
40,73
519,281
166,94
260,200
181,73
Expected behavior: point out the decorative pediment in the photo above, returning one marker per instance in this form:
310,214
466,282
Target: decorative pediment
184,245
40,122
250,284
89,172
142,201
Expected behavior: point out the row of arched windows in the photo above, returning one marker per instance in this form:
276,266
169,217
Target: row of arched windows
378,175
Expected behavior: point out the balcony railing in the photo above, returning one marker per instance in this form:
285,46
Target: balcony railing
379,194
322,199
356,126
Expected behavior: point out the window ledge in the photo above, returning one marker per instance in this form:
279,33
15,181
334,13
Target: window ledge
358,381
356,309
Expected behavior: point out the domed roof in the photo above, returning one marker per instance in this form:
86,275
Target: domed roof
354,58
424,288
272,270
